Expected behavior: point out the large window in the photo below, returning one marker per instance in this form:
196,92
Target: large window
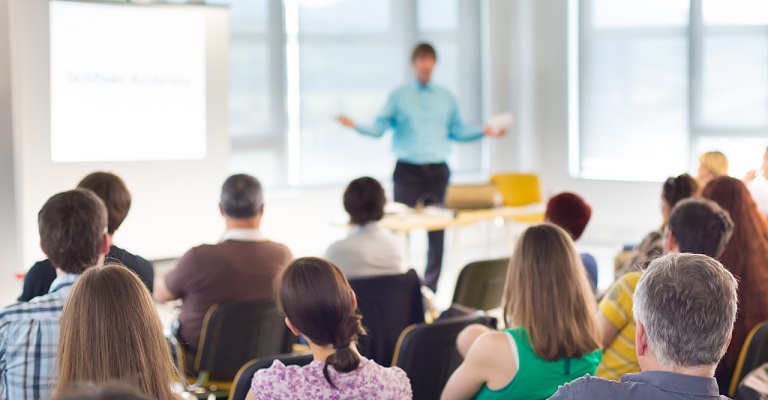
297,64
664,80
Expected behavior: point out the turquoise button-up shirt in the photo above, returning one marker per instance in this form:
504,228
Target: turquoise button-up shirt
424,119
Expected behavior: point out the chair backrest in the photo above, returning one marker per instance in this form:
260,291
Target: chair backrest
388,304
428,355
481,284
245,374
518,189
753,354
235,333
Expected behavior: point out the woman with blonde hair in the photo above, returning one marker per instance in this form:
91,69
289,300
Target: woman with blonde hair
712,164
110,331
551,338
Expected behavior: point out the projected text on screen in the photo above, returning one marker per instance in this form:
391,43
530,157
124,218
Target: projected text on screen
128,83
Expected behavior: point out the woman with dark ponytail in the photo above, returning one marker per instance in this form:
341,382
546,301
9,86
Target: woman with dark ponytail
319,304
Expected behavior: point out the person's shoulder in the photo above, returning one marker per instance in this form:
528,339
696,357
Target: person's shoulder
49,304
392,379
587,387
278,377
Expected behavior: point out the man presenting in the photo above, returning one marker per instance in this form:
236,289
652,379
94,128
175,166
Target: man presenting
424,119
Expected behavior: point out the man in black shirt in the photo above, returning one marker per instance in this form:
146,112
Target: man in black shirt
112,190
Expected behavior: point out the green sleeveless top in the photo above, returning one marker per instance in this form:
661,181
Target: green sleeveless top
536,378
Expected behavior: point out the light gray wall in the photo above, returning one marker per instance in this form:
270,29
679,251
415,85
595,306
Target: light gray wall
10,249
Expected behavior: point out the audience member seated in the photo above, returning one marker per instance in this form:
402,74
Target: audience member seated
673,190
685,306
746,256
695,226
369,250
110,331
570,212
242,267
552,337
112,190
73,236
712,164
111,391
319,304
757,183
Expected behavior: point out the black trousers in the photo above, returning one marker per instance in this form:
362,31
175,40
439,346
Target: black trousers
424,185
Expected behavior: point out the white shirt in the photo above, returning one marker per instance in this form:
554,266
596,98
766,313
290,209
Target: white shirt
759,189
244,235
368,250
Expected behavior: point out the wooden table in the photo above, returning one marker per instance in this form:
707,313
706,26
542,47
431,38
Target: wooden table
406,222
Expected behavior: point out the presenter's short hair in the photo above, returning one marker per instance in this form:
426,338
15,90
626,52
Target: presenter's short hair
423,50
242,196
72,225
364,201
113,192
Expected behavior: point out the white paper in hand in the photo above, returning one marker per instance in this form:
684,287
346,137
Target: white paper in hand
500,122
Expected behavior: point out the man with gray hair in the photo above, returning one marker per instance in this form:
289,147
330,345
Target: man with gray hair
241,267
685,307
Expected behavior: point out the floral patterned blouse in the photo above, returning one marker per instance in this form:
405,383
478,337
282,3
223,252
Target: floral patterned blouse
368,381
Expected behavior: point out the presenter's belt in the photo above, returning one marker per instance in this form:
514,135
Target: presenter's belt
422,166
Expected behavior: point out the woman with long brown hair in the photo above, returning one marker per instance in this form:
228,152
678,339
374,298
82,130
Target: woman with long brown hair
746,256
551,338
110,331
319,304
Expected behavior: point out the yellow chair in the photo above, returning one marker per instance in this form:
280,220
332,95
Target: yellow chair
754,353
518,189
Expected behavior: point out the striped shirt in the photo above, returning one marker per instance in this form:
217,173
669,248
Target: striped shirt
29,338
619,357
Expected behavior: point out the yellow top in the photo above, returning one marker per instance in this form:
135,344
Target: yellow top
619,357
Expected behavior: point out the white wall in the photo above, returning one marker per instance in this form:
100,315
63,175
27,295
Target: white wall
9,244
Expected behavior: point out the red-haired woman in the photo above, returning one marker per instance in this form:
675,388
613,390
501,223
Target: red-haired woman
746,256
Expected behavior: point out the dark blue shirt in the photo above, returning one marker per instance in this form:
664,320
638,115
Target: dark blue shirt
655,385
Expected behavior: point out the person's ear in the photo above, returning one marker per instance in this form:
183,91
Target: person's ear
291,327
221,210
670,243
106,243
354,299
641,340
43,249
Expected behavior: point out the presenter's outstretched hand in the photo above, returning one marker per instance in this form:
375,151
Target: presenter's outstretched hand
493,132
346,121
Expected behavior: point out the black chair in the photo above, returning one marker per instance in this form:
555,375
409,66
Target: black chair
232,335
481,284
389,304
428,355
753,354
243,378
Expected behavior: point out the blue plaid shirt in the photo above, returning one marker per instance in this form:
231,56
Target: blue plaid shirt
29,338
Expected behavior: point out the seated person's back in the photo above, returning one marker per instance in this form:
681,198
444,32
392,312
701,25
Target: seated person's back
554,338
319,304
681,333
72,234
570,212
112,190
695,226
369,250
242,267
